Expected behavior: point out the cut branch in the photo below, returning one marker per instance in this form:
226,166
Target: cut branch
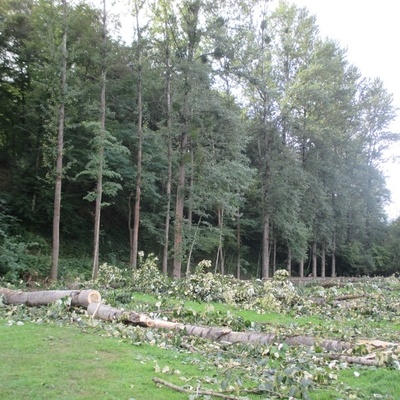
197,392
354,360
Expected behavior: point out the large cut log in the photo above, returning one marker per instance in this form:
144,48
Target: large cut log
108,313
217,334
229,336
81,298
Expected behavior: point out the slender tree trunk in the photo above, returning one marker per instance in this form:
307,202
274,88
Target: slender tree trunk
180,192
60,149
265,247
169,158
189,260
192,20
323,259
314,259
220,257
333,265
289,262
238,245
180,198
301,268
135,233
99,184
274,259
191,186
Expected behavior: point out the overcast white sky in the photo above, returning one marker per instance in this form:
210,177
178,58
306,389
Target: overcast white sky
370,31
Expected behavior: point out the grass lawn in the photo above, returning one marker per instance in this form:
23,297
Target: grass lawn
52,362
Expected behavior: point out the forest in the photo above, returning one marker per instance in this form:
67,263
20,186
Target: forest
227,131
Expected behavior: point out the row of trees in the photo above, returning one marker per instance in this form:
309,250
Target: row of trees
227,130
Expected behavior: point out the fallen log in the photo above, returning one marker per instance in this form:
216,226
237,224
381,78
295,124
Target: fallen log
91,299
108,313
228,336
218,334
79,298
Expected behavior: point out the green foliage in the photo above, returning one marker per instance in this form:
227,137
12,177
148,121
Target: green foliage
301,142
19,257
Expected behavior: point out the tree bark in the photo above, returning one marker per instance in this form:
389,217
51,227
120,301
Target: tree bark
218,334
301,268
219,262
81,298
99,184
333,265
314,259
274,258
169,157
265,246
60,149
238,245
323,259
289,262
136,216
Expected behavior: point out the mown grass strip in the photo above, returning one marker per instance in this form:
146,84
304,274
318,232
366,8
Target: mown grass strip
52,362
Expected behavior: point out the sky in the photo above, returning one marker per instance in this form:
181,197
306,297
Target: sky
370,32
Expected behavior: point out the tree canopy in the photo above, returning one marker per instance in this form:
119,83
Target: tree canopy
229,131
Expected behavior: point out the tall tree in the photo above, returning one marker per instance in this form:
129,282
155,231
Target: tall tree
134,230
60,147
190,20
163,34
99,184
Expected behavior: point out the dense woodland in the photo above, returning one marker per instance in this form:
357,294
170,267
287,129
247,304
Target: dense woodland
228,131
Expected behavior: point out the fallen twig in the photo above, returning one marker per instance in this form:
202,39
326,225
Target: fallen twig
353,360
201,392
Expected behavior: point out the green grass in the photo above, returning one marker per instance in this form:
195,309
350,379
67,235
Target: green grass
270,317
52,362
371,383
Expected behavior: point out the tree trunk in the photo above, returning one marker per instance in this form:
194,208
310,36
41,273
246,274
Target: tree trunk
289,262
265,246
180,199
219,262
189,260
136,216
323,259
99,184
81,298
217,334
238,245
314,259
333,265
168,211
92,301
192,22
274,259
301,268
169,158
60,149
180,194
